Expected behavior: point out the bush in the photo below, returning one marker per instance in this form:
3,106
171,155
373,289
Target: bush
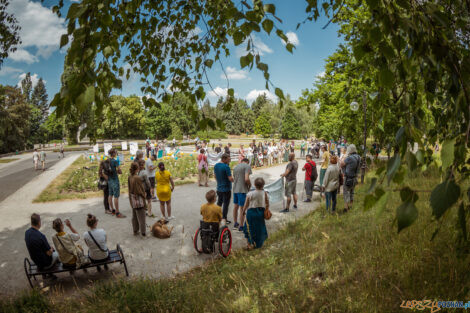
211,134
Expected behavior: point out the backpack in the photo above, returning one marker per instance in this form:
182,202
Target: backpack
350,180
314,173
107,167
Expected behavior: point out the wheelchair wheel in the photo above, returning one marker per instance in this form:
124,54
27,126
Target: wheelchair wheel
225,242
198,241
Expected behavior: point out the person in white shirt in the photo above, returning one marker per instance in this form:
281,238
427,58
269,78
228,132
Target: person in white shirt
36,159
96,239
150,167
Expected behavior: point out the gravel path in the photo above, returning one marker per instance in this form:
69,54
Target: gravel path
149,257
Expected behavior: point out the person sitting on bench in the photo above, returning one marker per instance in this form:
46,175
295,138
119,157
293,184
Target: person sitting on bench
95,239
65,243
211,212
39,249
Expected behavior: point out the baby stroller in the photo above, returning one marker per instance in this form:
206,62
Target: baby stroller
209,234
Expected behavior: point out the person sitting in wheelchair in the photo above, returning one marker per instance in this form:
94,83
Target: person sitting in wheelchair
211,217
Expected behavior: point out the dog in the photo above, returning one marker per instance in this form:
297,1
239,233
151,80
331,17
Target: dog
160,230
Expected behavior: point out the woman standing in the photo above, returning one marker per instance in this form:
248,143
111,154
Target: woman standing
241,154
202,168
331,183
145,179
165,186
256,203
137,197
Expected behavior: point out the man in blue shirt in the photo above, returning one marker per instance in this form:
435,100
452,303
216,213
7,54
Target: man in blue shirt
113,184
39,249
224,178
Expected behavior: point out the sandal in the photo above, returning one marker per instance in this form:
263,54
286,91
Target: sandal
120,215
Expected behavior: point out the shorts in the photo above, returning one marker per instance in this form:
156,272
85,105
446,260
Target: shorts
291,188
114,188
239,198
348,193
152,182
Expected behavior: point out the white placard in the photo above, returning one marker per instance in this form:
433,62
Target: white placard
96,148
124,145
133,147
107,146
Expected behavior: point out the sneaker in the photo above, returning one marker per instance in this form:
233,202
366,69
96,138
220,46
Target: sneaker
171,218
227,222
120,215
295,206
236,225
113,212
285,211
241,228
308,200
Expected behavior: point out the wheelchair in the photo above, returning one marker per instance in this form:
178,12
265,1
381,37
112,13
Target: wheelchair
208,235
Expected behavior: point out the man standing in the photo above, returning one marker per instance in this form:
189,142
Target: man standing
42,158
224,178
36,159
39,249
113,184
291,181
302,148
227,148
325,162
311,175
104,172
218,149
241,186
150,168
351,165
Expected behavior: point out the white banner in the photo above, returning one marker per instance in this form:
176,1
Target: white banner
275,191
213,158
96,148
133,147
107,146
124,145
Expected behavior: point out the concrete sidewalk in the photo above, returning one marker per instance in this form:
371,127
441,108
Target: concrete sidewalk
148,257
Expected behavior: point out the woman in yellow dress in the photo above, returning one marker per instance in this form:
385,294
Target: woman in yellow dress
165,186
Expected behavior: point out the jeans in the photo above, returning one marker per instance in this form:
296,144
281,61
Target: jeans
309,189
331,200
322,175
106,199
55,258
223,200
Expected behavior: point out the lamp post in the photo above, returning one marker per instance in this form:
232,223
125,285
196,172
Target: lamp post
354,107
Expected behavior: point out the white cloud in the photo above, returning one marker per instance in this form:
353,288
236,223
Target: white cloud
292,38
218,92
40,29
21,55
34,79
10,71
233,73
258,46
253,94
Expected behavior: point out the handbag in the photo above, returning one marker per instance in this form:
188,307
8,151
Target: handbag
102,183
81,258
267,212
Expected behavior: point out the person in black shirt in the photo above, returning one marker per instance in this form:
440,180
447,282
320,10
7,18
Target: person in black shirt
39,250
227,149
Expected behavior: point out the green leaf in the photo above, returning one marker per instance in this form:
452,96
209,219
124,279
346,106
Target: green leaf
230,92
380,204
447,153
369,202
463,221
444,196
399,135
408,195
238,38
89,94
420,156
268,25
64,40
392,165
262,66
107,51
270,8
244,61
279,93
407,213
289,47
386,77
373,183
208,63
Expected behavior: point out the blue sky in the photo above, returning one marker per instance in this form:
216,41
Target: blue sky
39,53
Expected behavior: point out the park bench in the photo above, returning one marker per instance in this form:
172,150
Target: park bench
31,269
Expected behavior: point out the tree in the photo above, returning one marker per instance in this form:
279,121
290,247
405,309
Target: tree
14,114
27,87
258,104
9,32
54,127
158,121
263,125
39,99
290,128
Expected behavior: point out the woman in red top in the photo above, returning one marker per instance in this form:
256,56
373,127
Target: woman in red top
203,169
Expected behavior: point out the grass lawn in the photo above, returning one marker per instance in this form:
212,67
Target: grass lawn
2,161
354,262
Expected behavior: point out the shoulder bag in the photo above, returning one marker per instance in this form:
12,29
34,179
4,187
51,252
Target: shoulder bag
267,213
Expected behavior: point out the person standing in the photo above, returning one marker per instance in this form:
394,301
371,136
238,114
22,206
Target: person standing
227,148
104,171
331,183
42,158
218,149
311,175
62,154
203,169
150,167
223,176
39,249
351,165
165,187
257,201
291,181
302,148
137,196
241,186
325,162
36,159
114,185
145,179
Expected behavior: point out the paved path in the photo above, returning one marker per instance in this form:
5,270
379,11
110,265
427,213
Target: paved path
149,256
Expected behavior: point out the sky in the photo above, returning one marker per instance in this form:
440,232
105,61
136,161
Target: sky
40,55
